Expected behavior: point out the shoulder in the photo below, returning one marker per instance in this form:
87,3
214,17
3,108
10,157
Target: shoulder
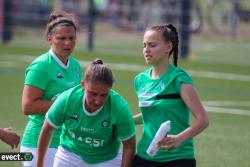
180,76
143,75
74,60
40,65
74,91
116,99
41,61
177,72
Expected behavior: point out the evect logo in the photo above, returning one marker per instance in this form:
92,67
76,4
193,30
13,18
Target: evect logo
16,156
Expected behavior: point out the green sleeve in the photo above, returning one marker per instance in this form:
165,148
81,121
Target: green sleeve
183,78
125,124
37,76
57,113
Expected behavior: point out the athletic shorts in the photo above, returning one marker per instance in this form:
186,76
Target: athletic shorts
65,158
49,159
139,162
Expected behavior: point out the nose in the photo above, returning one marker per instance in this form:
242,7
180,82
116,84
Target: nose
69,41
145,52
146,48
98,101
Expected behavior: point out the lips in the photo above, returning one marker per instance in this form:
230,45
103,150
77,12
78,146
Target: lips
147,56
67,49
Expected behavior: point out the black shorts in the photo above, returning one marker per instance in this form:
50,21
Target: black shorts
140,162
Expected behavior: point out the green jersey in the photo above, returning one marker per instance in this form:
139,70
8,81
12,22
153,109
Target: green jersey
95,137
49,74
159,101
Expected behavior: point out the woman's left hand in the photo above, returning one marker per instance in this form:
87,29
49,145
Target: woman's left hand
170,142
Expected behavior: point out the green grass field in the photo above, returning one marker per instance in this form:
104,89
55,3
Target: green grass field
220,68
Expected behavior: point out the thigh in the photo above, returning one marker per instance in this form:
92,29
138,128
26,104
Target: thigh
33,151
49,159
111,163
64,158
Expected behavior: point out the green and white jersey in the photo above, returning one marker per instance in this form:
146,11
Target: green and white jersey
49,74
93,136
159,101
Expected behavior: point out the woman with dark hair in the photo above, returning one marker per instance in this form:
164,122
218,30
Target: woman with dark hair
46,77
167,93
95,120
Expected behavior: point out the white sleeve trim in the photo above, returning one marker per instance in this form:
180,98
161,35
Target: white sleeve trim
126,138
50,122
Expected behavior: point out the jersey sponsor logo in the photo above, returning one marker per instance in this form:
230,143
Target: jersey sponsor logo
89,130
145,103
105,123
93,142
149,91
147,95
59,75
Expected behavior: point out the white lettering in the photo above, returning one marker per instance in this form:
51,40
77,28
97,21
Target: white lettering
10,157
88,140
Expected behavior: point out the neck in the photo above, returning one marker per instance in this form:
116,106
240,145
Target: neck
63,59
158,70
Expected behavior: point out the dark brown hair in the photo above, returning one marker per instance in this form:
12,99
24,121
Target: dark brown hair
169,33
60,18
98,72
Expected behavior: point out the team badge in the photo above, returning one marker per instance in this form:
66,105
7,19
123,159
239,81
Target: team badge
105,123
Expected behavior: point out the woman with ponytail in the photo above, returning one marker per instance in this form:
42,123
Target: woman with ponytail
95,120
45,78
166,93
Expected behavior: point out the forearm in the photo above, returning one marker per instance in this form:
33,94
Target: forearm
43,143
128,152
190,97
195,128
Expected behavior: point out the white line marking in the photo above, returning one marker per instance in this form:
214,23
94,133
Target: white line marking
138,68
210,106
227,103
227,110
219,75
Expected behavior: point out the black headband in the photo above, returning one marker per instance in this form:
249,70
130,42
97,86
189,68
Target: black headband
60,21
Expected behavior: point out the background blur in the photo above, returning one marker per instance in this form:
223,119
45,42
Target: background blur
218,60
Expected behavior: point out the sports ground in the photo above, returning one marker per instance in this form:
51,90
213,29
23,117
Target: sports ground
219,66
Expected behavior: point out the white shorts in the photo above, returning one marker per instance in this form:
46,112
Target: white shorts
65,158
49,159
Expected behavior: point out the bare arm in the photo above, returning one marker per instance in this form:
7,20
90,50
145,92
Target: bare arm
43,143
191,99
32,102
9,137
128,151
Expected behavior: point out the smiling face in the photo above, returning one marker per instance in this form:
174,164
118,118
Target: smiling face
155,49
96,94
63,41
